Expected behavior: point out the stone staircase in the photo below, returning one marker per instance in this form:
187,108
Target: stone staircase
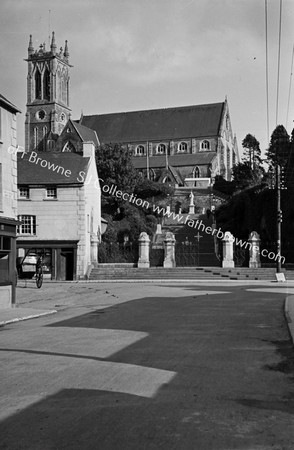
126,272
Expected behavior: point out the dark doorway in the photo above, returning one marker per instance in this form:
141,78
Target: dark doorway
66,264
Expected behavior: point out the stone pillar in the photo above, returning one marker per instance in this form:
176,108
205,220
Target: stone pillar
144,242
169,250
254,250
94,249
228,250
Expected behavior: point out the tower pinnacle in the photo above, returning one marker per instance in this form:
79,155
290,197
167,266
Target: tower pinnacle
53,44
66,53
30,48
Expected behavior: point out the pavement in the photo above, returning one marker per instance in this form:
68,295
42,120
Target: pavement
124,366
28,297
289,313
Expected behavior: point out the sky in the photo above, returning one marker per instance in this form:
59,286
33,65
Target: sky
131,55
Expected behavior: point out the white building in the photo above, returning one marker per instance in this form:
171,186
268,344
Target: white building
59,205
8,201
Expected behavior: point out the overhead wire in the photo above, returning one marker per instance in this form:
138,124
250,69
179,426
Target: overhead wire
266,71
279,60
290,85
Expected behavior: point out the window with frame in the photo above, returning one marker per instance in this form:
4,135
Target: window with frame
182,147
152,175
205,145
167,179
35,137
140,150
161,149
51,192
5,255
196,172
23,192
38,85
28,225
69,147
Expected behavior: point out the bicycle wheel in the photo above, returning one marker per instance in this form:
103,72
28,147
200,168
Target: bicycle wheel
39,278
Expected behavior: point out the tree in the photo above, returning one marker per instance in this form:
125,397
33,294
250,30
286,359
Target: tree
249,172
114,165
244,176
279,148
252,152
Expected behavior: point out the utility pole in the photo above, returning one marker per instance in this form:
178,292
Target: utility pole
279,216
147,161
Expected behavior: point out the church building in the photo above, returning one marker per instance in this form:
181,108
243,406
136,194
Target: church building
184,146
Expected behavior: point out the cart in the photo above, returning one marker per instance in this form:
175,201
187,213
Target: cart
30,267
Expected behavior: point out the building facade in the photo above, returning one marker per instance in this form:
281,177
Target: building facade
8,201
59,210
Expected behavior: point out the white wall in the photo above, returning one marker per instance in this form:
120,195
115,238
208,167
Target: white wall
8,163
56,219
90,211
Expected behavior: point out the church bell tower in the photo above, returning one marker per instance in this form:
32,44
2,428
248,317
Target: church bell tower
47,95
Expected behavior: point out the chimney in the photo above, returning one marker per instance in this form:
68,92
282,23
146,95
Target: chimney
88,150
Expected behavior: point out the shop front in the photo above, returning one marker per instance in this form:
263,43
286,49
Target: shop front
58,259
7,262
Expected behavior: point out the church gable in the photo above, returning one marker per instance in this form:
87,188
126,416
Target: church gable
69,140
72,137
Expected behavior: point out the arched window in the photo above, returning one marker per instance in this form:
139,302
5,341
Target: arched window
152,175
59,85
44,138
161,149
205,145
196,172
182,147
50,145
140,150
46,85
38,88
35,137
166,179
64,90
69,147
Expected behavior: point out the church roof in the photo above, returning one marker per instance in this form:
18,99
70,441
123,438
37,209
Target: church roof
86,133
50,172
195,159
157,124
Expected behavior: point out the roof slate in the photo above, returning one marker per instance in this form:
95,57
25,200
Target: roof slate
157,124
195,159
29,171
86,133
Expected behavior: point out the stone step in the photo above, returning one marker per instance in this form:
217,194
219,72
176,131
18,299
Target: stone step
117,272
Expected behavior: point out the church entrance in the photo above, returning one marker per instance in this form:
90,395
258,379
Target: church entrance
156,255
